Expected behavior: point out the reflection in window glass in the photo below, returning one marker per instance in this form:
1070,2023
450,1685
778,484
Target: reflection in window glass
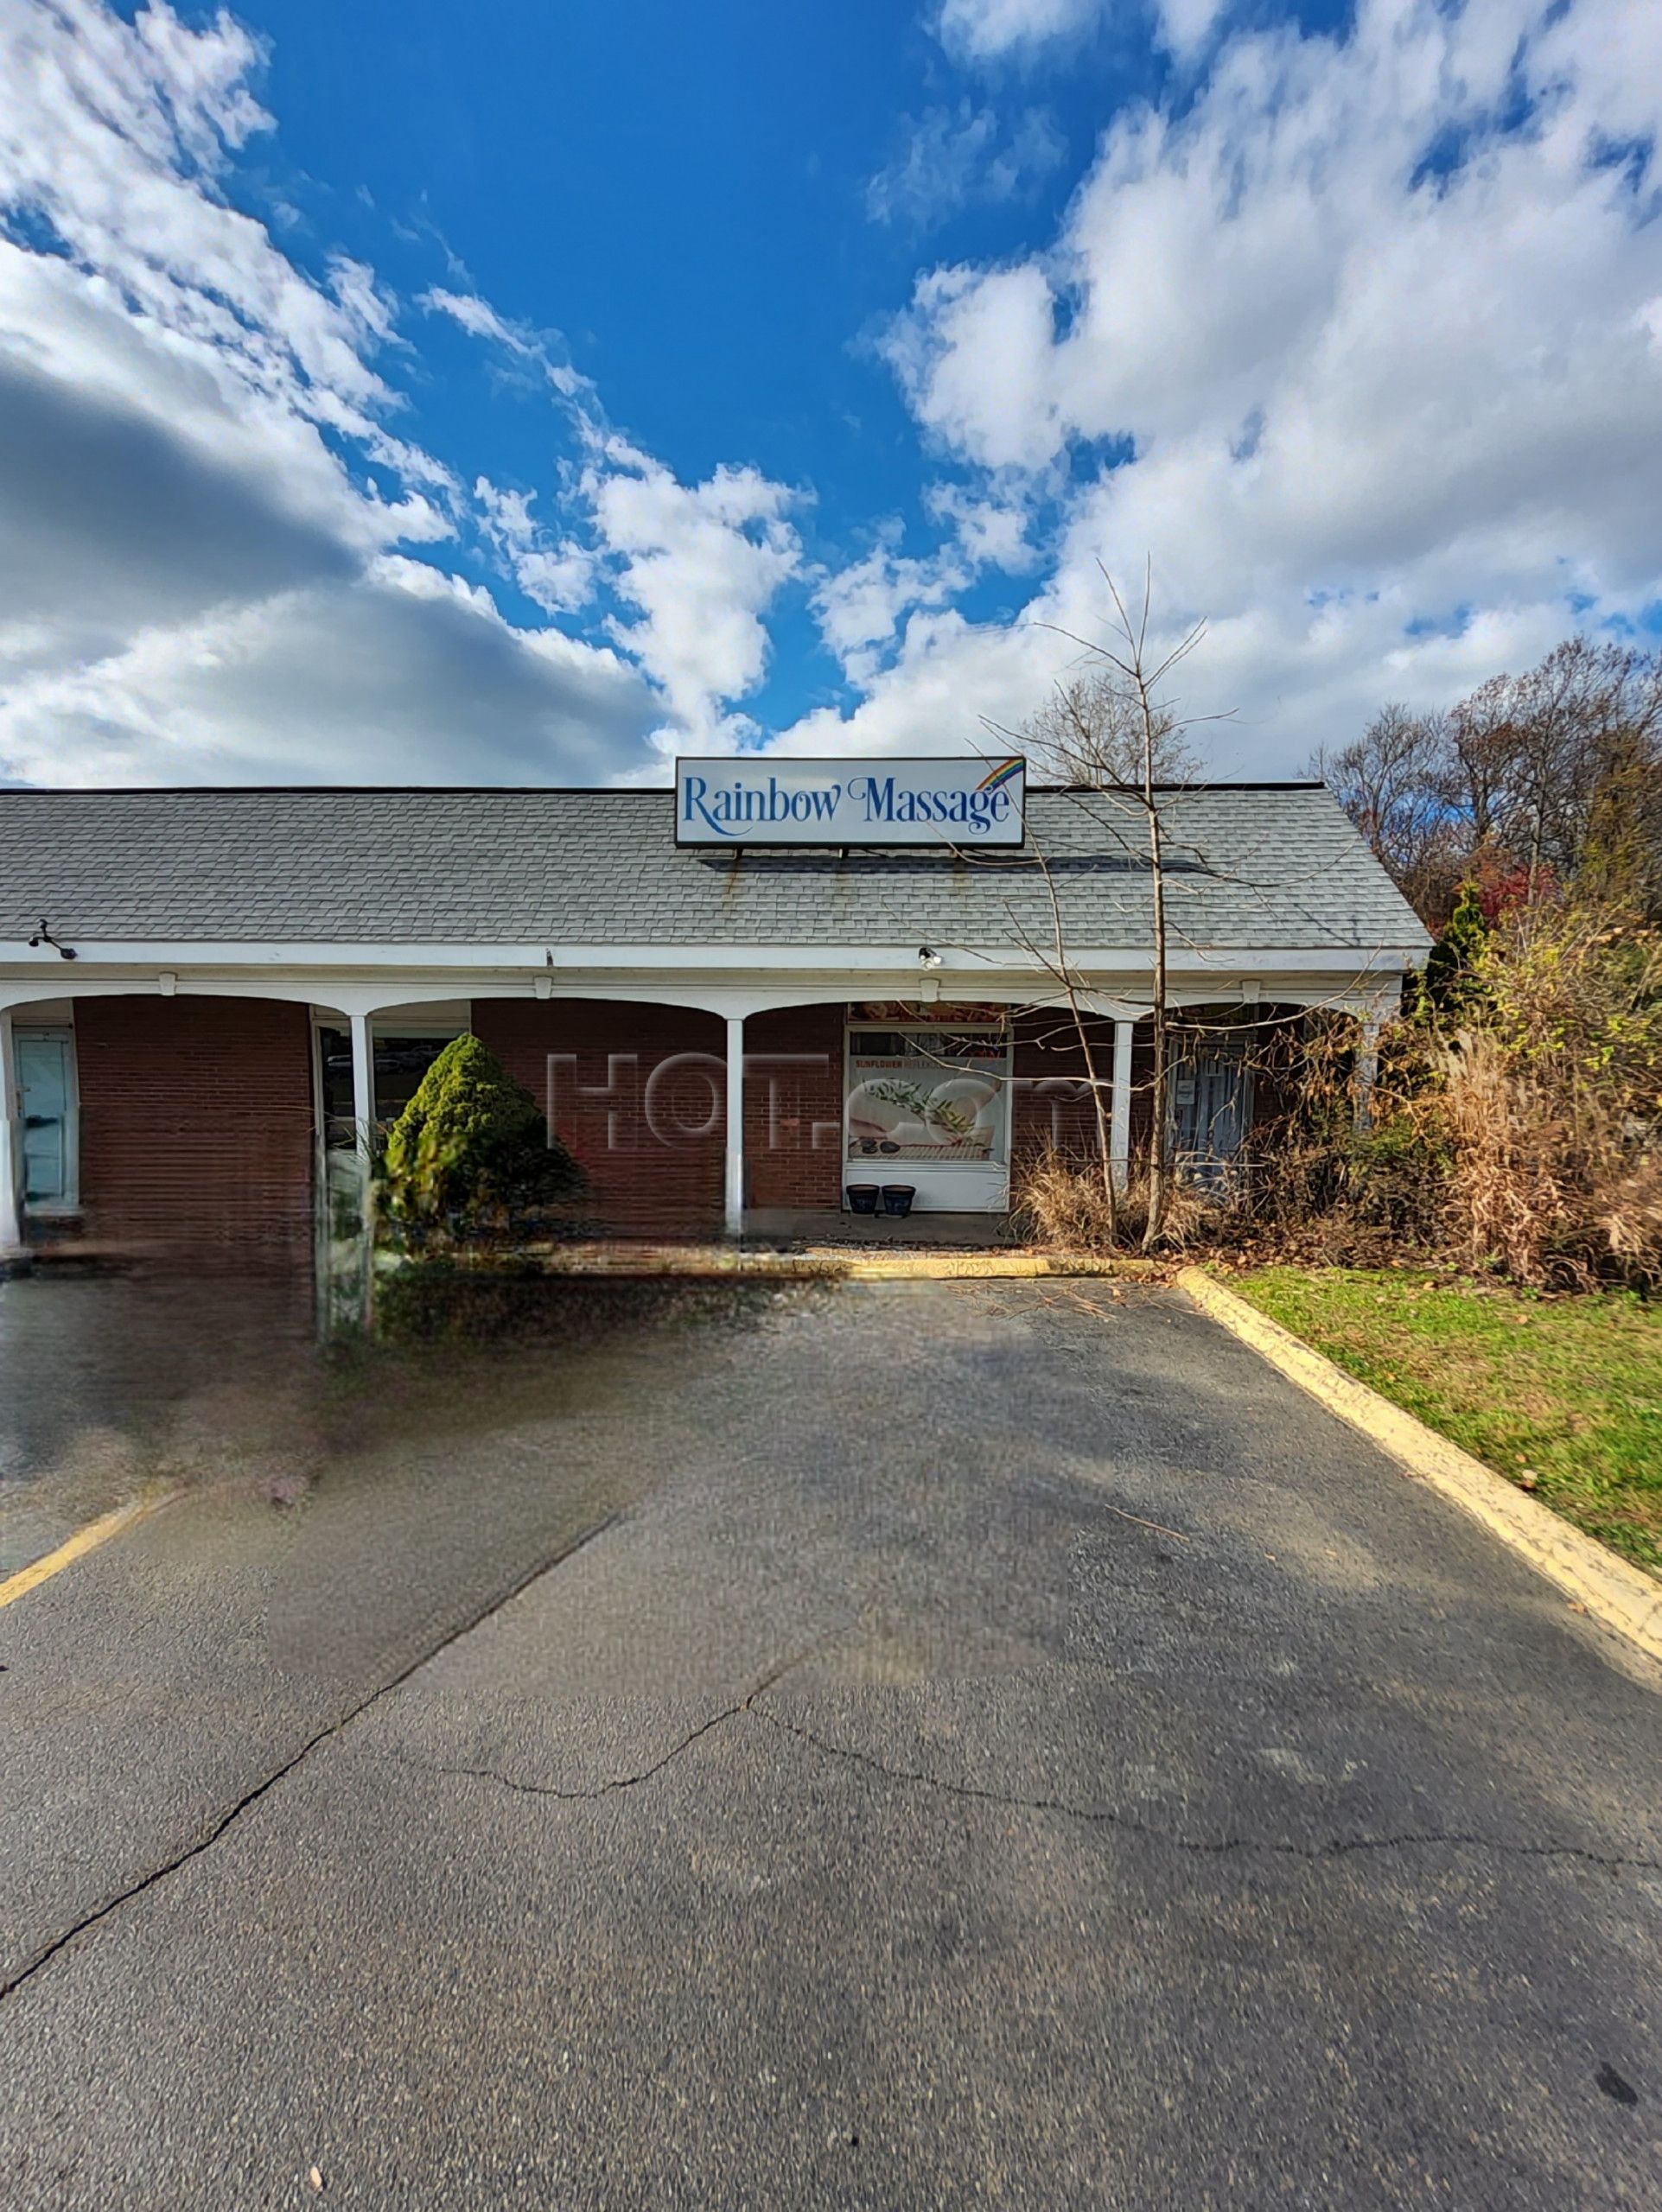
400,1063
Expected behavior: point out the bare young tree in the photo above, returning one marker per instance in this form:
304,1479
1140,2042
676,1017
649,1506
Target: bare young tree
1117,741
1091,732
1113,728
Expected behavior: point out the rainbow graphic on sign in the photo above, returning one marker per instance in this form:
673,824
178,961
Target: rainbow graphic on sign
1002,773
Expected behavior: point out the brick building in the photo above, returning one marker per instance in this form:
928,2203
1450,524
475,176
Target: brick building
727,1039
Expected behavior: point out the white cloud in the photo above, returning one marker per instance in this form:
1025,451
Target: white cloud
859,607
113,138
132,485
1184,26
476,317
991,30
954,157
557,576
949,680
1374,367
401,676
985,29
206,507
701,564
990,529
977,356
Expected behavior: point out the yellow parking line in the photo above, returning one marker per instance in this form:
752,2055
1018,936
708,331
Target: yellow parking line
84,1541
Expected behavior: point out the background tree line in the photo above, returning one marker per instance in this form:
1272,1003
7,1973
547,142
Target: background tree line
1535,786
1516,1121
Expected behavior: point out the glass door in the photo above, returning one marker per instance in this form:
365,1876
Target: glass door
1211,1108
46,1081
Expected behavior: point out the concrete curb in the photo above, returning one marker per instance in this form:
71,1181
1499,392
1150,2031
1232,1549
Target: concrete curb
724,1262
1623,1596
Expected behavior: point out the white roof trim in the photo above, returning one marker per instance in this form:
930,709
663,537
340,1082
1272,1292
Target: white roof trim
659,959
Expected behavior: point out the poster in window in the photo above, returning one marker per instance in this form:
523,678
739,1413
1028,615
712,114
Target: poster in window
929,1098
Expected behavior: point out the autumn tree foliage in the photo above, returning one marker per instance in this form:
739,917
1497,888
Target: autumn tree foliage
1535,784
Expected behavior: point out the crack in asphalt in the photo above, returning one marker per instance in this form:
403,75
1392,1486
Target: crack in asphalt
1108,1816
228,1820
633,1781
1068,1808
1065,1808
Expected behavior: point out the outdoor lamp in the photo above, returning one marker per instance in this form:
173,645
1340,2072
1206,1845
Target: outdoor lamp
43,936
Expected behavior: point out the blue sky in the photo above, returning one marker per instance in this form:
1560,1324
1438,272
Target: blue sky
716,211
420,394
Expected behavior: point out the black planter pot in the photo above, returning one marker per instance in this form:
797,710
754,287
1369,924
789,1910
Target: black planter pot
863,1198
898,1197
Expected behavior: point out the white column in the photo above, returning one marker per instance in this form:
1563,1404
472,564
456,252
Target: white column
363,1084
11,1178
1367,1064
1119,1131
363,1123
733,1181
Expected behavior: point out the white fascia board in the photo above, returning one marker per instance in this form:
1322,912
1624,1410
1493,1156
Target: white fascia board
706,959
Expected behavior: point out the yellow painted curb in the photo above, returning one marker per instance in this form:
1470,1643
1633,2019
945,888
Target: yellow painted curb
76,1547
1621,1595
826,1264
948,1266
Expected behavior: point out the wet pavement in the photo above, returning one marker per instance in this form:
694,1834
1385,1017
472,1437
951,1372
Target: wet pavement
109,1381
948,1743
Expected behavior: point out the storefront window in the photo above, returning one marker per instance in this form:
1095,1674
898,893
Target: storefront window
46,1081
400,1063
1211,1107
928,1096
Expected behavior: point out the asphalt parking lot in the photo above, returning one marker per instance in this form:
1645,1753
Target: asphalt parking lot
954,1744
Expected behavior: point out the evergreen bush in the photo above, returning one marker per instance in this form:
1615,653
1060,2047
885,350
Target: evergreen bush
1452,987
471,1159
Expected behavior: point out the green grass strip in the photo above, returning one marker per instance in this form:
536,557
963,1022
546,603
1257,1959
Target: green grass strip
1565,1390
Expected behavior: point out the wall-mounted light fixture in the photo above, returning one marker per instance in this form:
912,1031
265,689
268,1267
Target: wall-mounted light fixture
928,956
43,936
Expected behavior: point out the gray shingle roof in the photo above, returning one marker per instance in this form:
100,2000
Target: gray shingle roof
1262,866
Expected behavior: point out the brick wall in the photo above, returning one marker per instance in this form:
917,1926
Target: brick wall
1277,1040
793,1108
1047,1051
196,1122
657,1175
661,1173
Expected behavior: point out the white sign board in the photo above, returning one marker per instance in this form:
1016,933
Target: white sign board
755,799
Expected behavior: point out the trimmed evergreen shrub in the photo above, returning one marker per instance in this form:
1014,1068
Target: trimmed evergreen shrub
1452,988
471,1157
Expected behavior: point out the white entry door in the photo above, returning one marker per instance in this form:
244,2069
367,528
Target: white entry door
46,1081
